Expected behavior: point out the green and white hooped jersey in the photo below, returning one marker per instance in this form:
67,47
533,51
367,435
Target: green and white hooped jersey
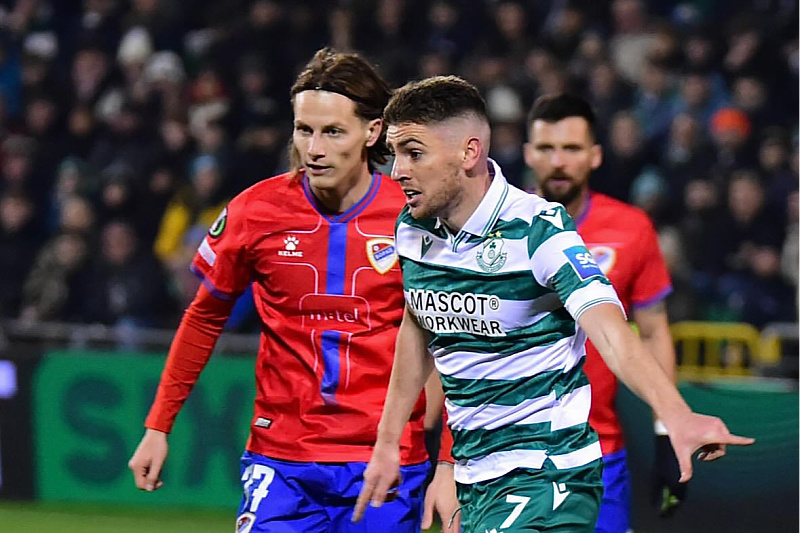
501,299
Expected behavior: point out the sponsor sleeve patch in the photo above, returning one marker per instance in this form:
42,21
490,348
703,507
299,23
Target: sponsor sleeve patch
582,262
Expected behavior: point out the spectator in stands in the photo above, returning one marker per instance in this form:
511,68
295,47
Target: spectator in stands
19,241
653,101
126,285
150,84
730,133
18,170
608,94
624,158
698,97
189,215
789,252
774,162
684,155
748,240
52,290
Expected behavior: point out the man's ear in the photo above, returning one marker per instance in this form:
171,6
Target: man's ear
597,156
373,130
473,150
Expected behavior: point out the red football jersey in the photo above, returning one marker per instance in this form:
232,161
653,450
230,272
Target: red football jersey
329,294
625,246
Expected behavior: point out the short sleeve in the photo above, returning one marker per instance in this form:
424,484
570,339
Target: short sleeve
651,282
561,262
221,260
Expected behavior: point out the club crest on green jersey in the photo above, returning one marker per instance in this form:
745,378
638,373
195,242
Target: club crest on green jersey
491,256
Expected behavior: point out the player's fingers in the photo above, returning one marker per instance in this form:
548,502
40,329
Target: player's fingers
739,441
710,453
363,498
153,474
427,512
685,465
139,473
453,525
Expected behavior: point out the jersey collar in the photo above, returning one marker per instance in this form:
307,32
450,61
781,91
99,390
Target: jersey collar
351,213
485,216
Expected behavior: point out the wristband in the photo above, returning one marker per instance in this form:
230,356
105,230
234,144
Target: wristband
447,463
659,428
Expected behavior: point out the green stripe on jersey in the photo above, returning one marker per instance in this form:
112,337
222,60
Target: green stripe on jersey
542,229
474,443
566,280
477,392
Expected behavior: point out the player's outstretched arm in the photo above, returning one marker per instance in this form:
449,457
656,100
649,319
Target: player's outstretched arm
200,327
411,368
148,460
626,356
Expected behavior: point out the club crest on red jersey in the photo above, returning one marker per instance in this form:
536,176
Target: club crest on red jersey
382,254
245,522
605,257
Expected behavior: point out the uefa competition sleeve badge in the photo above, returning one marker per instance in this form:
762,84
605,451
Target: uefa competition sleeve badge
491,256
382,254
218,226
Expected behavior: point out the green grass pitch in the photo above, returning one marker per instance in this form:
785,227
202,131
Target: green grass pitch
27,517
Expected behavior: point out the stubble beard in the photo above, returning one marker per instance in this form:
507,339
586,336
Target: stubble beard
564,196
443,201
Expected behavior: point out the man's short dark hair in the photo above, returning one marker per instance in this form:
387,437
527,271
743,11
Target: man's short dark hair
556,107
434,100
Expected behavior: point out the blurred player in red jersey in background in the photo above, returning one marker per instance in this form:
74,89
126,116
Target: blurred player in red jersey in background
562,153
318,245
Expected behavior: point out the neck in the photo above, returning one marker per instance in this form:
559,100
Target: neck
339,199
576,207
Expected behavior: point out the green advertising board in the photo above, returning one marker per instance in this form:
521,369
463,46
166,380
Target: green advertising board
88,414
89,407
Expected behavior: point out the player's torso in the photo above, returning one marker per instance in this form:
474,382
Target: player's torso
329,294
497,333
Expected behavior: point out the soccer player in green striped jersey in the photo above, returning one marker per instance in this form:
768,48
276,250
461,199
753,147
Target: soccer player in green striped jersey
501,294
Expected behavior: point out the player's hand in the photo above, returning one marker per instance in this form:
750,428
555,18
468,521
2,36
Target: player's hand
148,460
692,432
382,474
441,497
668,492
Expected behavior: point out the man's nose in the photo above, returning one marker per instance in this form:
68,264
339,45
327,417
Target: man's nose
557,159
316,147
398,172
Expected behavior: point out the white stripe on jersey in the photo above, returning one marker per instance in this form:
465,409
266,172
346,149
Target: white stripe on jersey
569,410
593,293
562,355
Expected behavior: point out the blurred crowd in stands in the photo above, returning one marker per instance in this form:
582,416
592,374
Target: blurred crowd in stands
126,125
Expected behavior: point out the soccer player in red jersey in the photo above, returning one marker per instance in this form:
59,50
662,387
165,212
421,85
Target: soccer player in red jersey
562,153
317,244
